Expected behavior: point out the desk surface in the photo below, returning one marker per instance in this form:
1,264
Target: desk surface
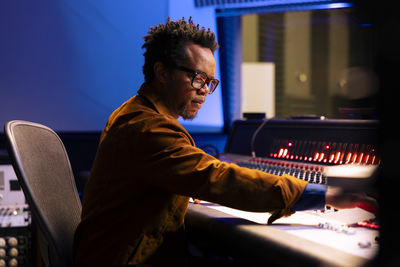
296,239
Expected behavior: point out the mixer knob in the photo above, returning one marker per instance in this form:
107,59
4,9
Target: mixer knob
2,253
2,242
13,252
12,242
2,263
13,263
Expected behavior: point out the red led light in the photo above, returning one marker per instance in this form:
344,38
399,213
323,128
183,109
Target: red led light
348,157
368,225
324,152
360,158
366,159
337,156
354,158
332,158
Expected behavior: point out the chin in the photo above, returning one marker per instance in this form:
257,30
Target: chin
189,116
187,112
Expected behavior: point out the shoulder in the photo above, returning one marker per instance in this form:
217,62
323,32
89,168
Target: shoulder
137,122
160,129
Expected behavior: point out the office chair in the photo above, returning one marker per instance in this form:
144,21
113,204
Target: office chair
44,172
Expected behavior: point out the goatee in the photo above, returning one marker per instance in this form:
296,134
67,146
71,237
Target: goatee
186,115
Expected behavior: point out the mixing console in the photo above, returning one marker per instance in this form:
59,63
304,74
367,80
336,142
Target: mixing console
311,150
333,152
308,172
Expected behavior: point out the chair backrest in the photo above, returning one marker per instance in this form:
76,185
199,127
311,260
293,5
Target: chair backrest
44,172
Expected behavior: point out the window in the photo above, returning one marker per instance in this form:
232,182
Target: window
323,61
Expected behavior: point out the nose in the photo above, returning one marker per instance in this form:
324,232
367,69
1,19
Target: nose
204,90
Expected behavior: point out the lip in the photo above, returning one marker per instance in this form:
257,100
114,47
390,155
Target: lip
198,101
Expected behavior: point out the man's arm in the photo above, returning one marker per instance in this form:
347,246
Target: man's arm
313,198
316,196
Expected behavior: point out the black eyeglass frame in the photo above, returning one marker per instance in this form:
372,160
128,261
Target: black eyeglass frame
208,81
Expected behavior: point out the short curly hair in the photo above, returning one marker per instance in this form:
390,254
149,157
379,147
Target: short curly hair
166,43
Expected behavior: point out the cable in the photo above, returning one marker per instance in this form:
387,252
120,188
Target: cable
253,138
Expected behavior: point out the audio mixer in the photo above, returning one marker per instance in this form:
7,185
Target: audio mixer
342,153
310,150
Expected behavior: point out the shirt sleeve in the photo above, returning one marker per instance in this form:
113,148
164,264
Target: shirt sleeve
170,161
313,198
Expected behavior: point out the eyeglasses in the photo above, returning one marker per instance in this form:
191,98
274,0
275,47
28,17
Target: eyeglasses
200,79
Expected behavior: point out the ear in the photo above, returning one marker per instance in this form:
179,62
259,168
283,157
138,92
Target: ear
161,72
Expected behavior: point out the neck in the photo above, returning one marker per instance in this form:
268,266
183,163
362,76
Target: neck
162,93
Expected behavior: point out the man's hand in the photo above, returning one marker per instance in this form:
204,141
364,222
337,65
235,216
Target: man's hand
196,201
336,198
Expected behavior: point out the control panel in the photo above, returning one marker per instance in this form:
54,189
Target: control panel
15,222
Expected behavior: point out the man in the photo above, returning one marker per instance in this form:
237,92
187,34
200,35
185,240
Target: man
147,165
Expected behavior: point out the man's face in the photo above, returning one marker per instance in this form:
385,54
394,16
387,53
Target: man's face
183,99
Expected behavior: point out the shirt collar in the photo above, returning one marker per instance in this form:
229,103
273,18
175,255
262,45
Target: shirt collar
150,94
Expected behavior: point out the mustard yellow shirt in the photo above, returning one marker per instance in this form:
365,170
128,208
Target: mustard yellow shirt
146,168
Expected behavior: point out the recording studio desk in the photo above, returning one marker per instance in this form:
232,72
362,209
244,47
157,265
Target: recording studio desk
284,243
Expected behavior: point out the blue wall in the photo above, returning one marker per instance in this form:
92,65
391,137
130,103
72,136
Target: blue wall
69,64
